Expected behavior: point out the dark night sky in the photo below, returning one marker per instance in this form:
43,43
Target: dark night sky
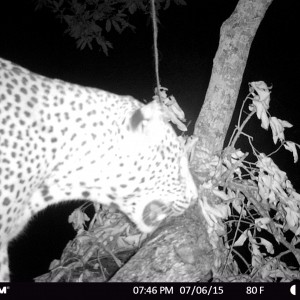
188,40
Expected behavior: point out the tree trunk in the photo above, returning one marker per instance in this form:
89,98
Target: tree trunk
236,36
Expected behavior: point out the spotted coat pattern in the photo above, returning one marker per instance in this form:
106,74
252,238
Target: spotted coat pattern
61,141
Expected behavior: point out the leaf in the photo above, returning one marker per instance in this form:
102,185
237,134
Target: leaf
90,45
78,219
263,92
291,146
267,244
55,263
116,26
237,205
265,271
97,15
261,100
167,4
132,8
109,44
108,25
261,113
237,155
261,222
103,45
180,2
81,43
277,127
241,240
221,194
58,4
292,217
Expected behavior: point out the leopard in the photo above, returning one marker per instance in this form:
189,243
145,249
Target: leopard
61,141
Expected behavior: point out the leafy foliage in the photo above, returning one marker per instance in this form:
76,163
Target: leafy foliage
257,205
100,248
91,20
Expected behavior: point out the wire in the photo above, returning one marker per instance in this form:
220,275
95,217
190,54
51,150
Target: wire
155,31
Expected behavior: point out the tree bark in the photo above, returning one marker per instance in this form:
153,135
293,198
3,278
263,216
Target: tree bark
177,252
236,36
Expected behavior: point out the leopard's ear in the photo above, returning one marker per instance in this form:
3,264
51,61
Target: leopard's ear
148,115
